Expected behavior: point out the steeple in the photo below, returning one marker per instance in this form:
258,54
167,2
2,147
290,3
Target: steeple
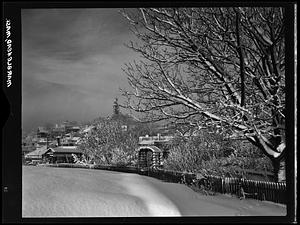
116,108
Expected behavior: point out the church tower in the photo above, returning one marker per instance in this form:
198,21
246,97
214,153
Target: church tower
116,107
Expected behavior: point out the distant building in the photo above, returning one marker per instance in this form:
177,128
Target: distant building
71,126
42,141
87,130
154,140
42,132
75,140
58,131
38,155
68,140
60,154
74,129
63,154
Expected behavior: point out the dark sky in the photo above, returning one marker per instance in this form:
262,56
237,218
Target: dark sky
72,62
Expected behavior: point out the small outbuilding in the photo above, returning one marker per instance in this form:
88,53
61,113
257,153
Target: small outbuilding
149,156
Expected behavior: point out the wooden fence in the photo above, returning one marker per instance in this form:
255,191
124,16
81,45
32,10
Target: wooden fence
170,176
261,190
243,188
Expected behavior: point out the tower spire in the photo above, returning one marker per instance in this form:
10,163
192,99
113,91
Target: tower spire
116,107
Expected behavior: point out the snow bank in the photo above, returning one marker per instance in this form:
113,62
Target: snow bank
191,203
158,204
72,192
69,192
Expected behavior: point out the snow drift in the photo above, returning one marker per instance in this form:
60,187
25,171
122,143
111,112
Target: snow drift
73,192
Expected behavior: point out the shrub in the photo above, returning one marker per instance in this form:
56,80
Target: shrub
187,153
210,153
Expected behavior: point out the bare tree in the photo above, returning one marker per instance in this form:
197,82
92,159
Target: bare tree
108,143
221,67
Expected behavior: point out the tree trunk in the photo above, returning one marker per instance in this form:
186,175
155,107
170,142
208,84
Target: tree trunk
278,161
279,170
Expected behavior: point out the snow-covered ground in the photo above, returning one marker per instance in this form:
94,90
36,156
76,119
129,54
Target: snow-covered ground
73,192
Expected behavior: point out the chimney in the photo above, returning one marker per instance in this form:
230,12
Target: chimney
58,141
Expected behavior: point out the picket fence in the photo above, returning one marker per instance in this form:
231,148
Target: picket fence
243,188
261,190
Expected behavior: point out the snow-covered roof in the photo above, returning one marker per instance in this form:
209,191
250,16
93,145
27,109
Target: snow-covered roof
146,142
38,152
66,149
150,140
75,128
152,148
75,138
88,129
42,130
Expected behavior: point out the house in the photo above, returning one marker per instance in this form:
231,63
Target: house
58,131
38,155
75,140
42,132
159,141
42,141
68,140
63,154
60,154
74,129
154,140
71,126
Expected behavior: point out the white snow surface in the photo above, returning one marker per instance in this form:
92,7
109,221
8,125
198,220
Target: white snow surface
74,192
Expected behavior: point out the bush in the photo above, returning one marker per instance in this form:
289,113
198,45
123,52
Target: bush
187,154
211,154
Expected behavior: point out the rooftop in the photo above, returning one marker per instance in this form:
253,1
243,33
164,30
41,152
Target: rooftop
152,148
38,152
147,140
42,130
66,149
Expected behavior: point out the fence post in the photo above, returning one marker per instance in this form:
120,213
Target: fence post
219,184
235,186
269,191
